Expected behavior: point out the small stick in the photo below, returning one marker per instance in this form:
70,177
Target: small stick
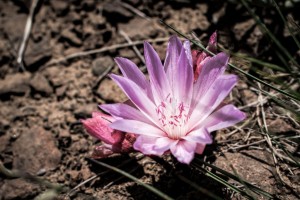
134,47
101,50
102,76
136,11
27,32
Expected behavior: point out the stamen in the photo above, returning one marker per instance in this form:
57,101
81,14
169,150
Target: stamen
173,116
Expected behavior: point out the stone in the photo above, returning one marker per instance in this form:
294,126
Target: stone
35,150
240,29
37,53
101,64
110,91
70,37
41,85
15,84
115,12
17,188
61,7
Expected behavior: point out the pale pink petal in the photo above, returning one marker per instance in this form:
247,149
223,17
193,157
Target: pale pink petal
212,44
200,148
183,84
199,136
137,127
124,111
223,118
99,128
159,82
184,151
163,144
188,52
212,68
213,97
173,52
132,72
137,96
104,116
152,145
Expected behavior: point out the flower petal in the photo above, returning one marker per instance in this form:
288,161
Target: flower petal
99,128
224,117
132,72
137,127
188,52
124,111
183,80
211,69
184,151
137,96
159,82
213,97
200,148
212,44
173,52
152,145
201,136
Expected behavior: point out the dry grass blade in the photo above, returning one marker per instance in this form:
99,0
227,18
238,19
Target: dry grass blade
101,50
26,34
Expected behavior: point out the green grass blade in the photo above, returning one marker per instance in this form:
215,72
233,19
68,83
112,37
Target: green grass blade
230,175
285,22
268,32
199,188
233,66
260,62
222,181
148,187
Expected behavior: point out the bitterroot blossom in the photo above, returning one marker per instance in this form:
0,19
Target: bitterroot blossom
177,109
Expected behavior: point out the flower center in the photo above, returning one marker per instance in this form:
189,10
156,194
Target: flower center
173,115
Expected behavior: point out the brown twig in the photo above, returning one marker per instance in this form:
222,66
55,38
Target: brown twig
134,46
101,50
27,32
101,77
136,11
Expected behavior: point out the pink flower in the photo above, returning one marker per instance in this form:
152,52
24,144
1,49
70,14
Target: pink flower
114,141
173,111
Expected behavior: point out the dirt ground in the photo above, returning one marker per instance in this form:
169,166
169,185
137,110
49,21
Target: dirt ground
40,131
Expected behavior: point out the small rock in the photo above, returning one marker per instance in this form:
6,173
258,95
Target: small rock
240,29
37,53
114,12
85,111
60,91
14,27
110,91
35,150
146,28
15,84
40,84
61,7
278,126
70,37
255,170
4,141
64,133
101,64
18,188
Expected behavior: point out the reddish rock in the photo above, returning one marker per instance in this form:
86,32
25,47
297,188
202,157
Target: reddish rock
35,150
